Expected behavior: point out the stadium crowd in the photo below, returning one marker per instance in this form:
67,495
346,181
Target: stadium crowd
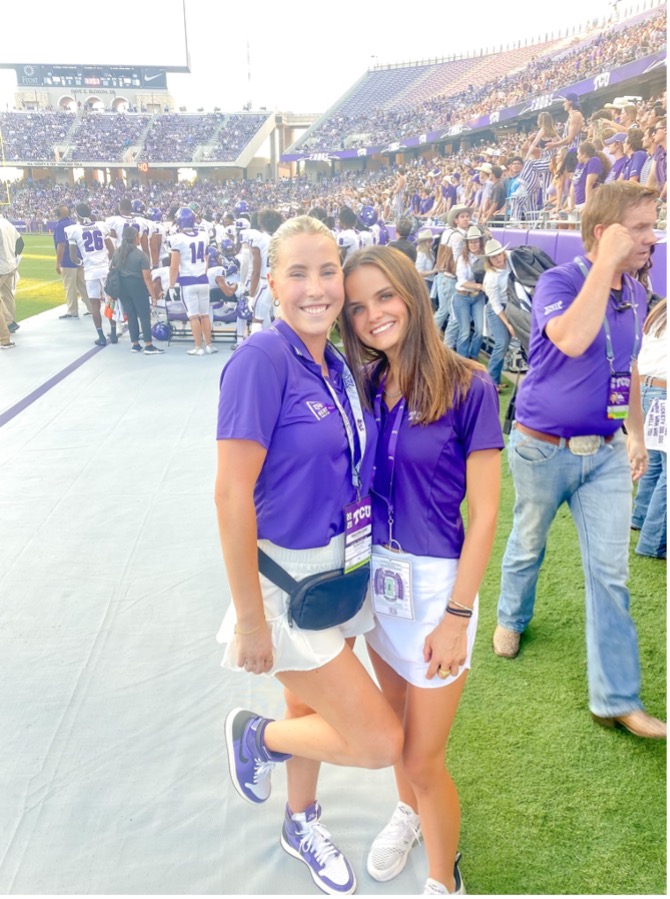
105,137
396,120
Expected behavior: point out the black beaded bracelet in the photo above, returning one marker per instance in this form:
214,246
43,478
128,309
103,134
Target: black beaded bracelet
459,613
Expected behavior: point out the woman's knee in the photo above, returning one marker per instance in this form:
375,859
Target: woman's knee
383,743
422,769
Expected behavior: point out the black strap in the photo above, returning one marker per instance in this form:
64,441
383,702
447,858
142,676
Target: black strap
275,573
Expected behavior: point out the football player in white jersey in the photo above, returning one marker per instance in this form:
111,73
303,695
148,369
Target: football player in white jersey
348,238
158,236
259,242
130,213
188,266
92,247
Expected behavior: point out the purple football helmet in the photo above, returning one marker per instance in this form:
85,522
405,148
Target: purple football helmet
184,218
368,215
138,207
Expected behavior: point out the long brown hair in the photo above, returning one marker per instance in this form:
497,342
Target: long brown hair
432,377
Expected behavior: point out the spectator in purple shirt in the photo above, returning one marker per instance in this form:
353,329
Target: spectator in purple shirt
568,446
439,442
636,155
615,145
592,169
658,175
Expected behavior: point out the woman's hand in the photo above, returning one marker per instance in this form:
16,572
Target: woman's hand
446,647
254,651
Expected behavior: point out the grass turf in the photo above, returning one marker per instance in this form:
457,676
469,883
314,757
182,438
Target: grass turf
551,802
40,287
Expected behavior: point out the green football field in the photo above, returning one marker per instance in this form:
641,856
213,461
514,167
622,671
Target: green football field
550,799
40,287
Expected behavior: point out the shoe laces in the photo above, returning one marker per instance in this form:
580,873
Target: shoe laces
262,770
400,829
316,839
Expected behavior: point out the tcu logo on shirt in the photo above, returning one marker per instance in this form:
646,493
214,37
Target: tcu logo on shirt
601,80
319,410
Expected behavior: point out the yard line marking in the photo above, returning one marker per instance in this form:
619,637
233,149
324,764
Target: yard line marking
28,400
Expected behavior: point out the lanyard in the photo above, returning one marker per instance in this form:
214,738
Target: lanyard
392,447
609,349
301,352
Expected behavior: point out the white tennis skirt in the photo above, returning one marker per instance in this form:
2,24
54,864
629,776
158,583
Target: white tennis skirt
296,649
399,641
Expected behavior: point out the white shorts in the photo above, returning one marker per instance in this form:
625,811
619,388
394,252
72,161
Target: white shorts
196,299
400,642
295,649
95,285
263,306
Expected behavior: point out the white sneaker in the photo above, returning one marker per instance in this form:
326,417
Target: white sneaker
435,888
389,851
209,349
196,351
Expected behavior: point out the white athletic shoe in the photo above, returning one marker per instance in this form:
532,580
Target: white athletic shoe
209,349
435,888
389,851
196,351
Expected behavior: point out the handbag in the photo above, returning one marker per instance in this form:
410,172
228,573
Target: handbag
113,283
320,600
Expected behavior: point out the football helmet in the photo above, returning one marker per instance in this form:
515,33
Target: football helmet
161,331
184,218
138,207
155,214
368,215
241,207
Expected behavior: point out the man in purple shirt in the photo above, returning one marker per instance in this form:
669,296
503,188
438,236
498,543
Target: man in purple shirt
567,444
72,275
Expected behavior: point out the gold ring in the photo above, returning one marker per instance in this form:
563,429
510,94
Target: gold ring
442,673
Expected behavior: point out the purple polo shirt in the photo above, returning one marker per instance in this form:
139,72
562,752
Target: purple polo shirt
429,476
59,237
567,396
593,166
618,166
276,398
634,164
661,157
426,205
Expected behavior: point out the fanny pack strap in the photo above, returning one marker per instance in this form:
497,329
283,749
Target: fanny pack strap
275,573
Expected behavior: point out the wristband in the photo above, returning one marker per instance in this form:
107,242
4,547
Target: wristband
247,633
459,605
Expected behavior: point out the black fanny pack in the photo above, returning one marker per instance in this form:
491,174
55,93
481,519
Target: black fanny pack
320,600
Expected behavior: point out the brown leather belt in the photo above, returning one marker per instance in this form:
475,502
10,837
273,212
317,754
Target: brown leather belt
550,438
649,381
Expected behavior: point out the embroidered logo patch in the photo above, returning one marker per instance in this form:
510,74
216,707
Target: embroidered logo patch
320,410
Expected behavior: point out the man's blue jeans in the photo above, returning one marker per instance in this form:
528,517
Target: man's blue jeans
469,310
598,491
501,339
651,504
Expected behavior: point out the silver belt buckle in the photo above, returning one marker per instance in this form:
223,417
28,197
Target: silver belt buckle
585,445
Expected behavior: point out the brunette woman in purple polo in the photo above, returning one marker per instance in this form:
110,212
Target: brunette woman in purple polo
294,449
439,440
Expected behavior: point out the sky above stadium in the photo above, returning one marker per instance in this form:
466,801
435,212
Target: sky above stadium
301,56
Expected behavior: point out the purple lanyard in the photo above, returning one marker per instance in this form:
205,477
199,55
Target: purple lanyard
392,447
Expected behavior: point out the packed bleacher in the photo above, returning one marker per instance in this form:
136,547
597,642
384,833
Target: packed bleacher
231,139
176,137
106,137
32,136
394,103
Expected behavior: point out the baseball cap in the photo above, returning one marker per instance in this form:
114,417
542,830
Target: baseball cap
617,138
485,167
572,98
